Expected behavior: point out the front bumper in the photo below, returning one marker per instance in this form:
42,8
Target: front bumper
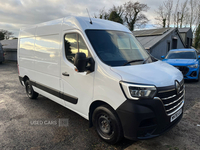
193,73
144,119
188,73
148,118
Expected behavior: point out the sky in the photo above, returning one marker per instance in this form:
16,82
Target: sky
15,14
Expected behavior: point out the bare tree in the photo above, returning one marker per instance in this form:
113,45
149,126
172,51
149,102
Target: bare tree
168,6
103,14
161,16
186,20
164,13
134,16
184,11
197,14
175,15
192,8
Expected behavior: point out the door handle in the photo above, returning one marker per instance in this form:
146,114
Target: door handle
65,74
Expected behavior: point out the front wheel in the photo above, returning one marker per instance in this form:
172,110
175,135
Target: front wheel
29,90
107,124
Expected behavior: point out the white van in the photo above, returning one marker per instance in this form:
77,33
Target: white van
99,70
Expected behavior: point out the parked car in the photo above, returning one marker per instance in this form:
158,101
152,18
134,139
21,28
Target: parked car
1,54
186,60
99,70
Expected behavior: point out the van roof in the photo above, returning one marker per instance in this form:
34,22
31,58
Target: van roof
70,23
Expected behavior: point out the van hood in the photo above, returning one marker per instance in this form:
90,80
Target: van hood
157,73
181,62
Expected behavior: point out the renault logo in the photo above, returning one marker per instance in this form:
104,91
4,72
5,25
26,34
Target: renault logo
177,86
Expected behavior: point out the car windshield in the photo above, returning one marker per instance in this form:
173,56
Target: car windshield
116,48
181,55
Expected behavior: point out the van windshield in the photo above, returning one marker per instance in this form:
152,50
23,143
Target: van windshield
117,48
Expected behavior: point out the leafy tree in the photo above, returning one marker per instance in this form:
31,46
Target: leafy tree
115,17
4,34
1,36
129,14
117,14
197,38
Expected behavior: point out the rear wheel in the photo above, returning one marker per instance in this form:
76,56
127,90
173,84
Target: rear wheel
107,124
29,90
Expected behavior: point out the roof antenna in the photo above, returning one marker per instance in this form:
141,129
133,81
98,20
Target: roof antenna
89,16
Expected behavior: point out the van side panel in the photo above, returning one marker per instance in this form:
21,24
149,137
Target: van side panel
47,61
49,28
27,32
26,57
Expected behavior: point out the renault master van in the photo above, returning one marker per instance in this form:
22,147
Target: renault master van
100,71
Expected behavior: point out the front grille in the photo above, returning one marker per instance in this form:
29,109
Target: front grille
183,69
172,100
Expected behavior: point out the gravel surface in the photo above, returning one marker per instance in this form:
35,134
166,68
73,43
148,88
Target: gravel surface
17,112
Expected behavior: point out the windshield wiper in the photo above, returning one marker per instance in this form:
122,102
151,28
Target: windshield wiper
146,60
132,61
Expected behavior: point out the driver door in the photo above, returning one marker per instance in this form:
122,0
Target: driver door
77,87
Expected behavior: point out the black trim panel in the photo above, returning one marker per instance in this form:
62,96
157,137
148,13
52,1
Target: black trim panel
144,119
20,80
59,94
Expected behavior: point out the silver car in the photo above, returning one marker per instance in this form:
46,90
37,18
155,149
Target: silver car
1,54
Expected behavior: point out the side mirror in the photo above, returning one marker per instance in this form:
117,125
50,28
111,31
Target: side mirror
81,62
199,57
162,57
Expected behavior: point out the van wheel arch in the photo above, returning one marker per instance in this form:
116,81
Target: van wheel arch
31,94
106,122
93,106
25,78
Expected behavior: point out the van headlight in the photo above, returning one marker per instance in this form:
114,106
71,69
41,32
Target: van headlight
136,91
193,66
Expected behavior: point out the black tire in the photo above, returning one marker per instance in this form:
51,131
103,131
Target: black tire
29,90
0,62
107,124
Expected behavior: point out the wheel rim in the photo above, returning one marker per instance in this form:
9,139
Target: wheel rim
104,126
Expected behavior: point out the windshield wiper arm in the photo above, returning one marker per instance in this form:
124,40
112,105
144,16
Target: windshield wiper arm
146,60
132,61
